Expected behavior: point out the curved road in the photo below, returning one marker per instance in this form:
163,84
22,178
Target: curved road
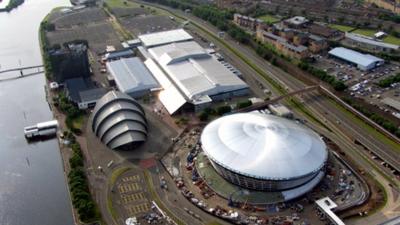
345,128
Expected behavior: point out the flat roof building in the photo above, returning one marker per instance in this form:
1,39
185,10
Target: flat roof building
132,77
370,43
83,92
164,37
362,61
392,103
296,22
119,54
280,110
187,70
326,205
89,98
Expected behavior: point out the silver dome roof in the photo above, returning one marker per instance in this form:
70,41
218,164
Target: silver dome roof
263,146
118,120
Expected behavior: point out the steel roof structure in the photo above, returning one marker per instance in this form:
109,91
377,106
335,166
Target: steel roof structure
164,37
263,146
365,60
131,75
194,71
119,121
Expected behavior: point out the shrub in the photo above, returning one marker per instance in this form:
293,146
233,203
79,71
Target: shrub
223,110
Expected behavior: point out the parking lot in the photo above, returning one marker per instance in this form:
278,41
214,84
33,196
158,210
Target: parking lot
68,18
131,197
363,84
148,24
89,24
185,165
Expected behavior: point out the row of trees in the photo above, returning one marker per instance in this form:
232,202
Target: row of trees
78,184
222,19
13,4
385,123
387,82
207,112
176,4
69,109
222,110
45,26
77,180
322,75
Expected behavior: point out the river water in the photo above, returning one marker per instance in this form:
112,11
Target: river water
32,184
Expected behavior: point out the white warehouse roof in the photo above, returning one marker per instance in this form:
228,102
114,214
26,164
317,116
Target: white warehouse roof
263,146
131,75
194,71
164,37
363,60
170,96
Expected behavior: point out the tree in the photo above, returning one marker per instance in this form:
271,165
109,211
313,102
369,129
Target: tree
244,104
203,116
223,110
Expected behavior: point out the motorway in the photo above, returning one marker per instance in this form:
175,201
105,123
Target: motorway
344,127
326,110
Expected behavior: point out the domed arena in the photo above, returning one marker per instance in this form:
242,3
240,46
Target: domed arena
264,152
119,121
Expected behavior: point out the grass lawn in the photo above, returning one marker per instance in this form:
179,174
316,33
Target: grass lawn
122,4
365,32
341,27
392,40
78,122
370,33
269,19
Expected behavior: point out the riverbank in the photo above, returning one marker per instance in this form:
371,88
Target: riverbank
12,4
84,209
40,179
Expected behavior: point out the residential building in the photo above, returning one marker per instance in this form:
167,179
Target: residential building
246,21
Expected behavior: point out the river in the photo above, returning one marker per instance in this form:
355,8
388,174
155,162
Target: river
32,184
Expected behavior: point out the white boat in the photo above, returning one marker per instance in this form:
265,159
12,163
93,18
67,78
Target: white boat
48,128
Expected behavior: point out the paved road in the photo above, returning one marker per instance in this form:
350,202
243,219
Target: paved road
389,153
176,202
321,107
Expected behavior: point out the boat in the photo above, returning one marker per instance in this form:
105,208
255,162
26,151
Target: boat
44,129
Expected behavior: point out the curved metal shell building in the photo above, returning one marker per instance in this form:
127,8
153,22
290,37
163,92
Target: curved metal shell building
119,121
263,152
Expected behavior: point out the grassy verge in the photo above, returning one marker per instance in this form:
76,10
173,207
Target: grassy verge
121,4
155,198
117,26
114,176
390,39
269,19
365,32
366,126
111,209
278,88
343,28
116,173
78,121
